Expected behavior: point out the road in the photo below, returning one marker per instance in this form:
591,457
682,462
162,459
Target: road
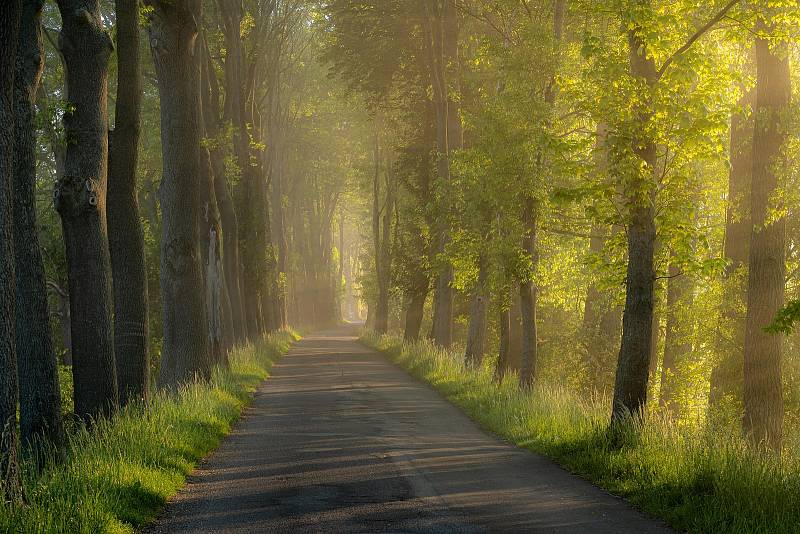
340,440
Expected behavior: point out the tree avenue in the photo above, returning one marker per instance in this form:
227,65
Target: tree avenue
592,201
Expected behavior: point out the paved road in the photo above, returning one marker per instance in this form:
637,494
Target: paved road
340,440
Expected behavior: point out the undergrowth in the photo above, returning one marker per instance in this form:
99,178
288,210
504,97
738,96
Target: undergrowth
695,478
116,477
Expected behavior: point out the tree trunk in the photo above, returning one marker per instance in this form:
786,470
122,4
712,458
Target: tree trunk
279,225
126,237
39,391
528,297
763,395
677,343
10,13
633,366
726,377
503,359
476,335
528,289
415,312
80,198
441,44
380,239
173,33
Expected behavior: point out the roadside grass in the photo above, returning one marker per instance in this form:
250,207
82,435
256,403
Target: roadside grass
116,477
695,478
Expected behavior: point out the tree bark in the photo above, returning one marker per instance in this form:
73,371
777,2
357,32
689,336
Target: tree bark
476,334
528,295
125,233
441,44
80,198
633,366
727,375
39,391
173,35
381,239
763,395
503,360
10,13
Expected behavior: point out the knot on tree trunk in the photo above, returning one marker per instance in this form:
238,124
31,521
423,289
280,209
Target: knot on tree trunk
73,196
180,256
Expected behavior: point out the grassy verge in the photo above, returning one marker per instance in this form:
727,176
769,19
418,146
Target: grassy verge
117,477
696,479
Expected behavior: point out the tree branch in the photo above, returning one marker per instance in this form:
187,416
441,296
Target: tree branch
697,35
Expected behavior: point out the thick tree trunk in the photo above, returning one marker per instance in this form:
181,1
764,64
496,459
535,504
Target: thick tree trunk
10,13
80,198
633,365
212,242
763,395
40,394
125,233
415,312
173,35
476,334
727,375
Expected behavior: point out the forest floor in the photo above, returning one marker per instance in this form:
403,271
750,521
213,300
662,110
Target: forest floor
341,440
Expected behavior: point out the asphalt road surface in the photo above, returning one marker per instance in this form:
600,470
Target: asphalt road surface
340,440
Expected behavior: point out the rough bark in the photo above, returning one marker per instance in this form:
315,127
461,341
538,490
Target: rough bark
250,199
630,387
9,440
125,233
727,375
476,334
212,237
763,395
173,35
80,199
40,394
232,301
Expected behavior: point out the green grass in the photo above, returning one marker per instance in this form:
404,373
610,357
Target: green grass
697,479
117,477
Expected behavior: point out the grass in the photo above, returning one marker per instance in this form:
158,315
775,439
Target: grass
117,477
696,479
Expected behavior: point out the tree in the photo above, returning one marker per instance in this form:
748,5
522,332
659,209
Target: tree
40,394
80,199
10,13
173,39
126,237
726,377
441,32
763,395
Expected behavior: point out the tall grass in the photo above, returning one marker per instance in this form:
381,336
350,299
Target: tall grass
697,479
117,476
